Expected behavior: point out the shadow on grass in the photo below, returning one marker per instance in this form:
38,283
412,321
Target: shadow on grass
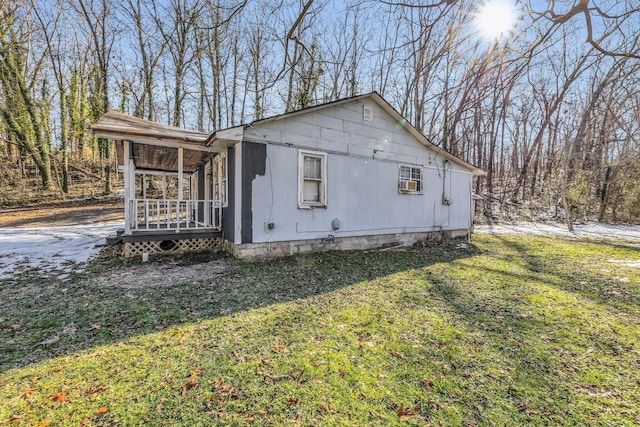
572,273
541,344
41,319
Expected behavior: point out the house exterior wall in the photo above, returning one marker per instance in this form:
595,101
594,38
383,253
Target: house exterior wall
229,212
363,161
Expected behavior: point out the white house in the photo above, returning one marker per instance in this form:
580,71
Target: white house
350,174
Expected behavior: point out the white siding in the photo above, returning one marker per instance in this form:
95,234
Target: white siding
362,186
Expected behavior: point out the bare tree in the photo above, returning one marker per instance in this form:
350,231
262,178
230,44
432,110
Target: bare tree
176,21
96,16
150,49
23,114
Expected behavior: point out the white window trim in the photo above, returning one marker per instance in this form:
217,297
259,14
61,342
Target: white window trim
221,179
302,204
405,182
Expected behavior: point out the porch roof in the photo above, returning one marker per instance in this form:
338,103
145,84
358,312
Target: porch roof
155,146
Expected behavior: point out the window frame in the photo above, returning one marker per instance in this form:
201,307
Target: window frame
219,172
419,181
322,203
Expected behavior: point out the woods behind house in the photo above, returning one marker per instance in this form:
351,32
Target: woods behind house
550,111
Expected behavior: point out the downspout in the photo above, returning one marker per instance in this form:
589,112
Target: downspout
472,206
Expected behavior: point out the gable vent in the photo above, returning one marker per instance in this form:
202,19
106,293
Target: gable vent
367,113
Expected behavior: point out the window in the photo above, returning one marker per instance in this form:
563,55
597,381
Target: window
219,175
409,180
312,179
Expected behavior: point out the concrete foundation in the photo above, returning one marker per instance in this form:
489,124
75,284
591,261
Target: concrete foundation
279,249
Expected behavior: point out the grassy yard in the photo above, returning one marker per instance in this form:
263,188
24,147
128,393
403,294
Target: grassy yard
507,331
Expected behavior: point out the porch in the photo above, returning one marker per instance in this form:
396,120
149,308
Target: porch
174,184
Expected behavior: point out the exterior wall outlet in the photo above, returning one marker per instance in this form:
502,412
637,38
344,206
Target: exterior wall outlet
269,226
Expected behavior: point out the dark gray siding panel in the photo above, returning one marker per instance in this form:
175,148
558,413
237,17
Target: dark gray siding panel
254,160
228,213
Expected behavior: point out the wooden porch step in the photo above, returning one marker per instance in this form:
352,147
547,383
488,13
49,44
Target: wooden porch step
114,240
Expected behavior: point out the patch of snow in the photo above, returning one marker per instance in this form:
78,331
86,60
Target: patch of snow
625,263
48,249
594,230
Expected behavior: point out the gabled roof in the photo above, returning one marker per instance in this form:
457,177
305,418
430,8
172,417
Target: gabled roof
119,126
378,99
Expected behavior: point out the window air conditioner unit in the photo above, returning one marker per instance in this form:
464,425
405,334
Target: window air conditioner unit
406,185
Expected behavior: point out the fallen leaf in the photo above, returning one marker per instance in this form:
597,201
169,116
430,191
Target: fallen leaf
29,392
192,382
94,390
406,412
58,397
327,410
397,354
292,401
427,382
278,348
102,410
15,419
216,381
227,389
45,423
95,326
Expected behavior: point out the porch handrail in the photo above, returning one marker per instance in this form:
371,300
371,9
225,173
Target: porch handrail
173,214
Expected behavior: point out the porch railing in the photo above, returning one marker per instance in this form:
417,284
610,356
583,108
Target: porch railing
157,214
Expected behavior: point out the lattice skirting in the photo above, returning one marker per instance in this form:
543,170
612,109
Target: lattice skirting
167,246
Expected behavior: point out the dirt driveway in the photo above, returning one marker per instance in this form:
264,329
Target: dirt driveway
69,213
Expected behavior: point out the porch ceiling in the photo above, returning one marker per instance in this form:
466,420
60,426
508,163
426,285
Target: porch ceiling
154,146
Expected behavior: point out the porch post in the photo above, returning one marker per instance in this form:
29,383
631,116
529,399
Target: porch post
133,208
180,177
144,186
127,184
207,205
